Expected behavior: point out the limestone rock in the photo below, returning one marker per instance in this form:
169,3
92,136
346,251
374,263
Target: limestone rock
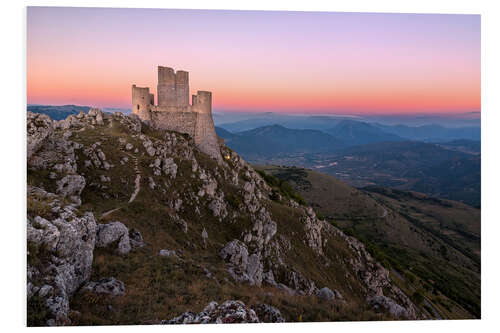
243,267
135,237
204,236
327,294
229,312
268,314
109,286
168,254
39,129
389,305
67,241
169,167
114,233
71,186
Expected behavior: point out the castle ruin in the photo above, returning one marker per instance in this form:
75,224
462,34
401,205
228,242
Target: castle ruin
173,111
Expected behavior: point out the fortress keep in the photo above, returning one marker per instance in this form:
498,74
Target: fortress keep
173,111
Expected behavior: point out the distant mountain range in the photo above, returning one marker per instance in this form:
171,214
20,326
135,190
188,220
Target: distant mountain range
432,133
354,133
58,112
275,139
362,154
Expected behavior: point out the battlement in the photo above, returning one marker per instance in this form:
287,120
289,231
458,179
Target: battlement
173,111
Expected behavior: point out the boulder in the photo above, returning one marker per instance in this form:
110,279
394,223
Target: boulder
110,286
268,314
327,294
168,253
386,303
114,234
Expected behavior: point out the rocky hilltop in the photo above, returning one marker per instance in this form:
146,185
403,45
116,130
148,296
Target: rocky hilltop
128,224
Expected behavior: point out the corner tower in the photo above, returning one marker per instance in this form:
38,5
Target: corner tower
142,101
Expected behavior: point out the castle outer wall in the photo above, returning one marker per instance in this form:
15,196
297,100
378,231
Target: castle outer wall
174,113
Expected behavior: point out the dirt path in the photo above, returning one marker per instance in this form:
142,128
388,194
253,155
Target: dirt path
109,212
137,178
137,185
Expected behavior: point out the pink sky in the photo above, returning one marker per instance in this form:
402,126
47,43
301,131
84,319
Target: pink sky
263,61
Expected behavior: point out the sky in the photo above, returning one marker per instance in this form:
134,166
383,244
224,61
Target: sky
255,61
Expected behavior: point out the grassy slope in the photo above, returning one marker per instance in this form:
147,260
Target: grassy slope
161,288
432,245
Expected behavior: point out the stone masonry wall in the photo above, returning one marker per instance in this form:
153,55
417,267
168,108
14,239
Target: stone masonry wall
205,137
182,122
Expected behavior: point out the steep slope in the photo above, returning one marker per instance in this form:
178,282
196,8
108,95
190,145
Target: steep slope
431,245
131,225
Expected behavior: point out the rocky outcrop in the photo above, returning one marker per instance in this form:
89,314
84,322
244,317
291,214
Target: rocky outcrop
60,253
229,312
71,186
39,129
379,289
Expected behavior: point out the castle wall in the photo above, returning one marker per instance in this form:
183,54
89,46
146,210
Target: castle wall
182,122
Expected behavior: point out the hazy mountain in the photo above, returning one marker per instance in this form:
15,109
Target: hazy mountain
289,121
432,133
221,132
357,133
275,139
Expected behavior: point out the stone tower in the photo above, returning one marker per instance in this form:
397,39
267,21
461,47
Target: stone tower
174,112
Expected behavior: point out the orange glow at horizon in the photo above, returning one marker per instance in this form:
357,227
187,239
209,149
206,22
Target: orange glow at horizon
324,62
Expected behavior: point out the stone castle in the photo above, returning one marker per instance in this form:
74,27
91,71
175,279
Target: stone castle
173,111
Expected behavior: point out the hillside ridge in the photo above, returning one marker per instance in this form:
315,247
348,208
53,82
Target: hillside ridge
196,232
